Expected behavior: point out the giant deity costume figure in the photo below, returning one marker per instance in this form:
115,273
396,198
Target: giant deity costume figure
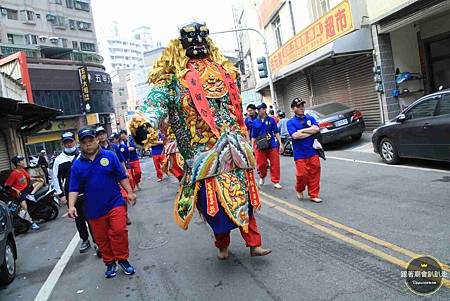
196,90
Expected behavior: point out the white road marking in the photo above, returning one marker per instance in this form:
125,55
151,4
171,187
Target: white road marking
49,285
387,165
365,148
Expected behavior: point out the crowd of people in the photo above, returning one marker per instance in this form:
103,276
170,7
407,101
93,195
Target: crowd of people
94,162
268,134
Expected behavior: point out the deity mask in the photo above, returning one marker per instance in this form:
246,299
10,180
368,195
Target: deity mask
193,38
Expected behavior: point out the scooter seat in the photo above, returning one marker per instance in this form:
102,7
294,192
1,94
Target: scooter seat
41,192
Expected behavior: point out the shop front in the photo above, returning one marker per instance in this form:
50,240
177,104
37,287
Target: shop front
415,41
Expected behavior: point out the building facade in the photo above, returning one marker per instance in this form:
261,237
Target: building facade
60,23
125,50
321,51
412,46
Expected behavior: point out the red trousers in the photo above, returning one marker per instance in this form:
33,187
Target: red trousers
158,161
308,174
111,234
273,156
177,171
252,238
136,171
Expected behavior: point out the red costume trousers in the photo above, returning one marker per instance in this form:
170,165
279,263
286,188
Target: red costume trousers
252,238
308,174
273,156
136,171
158,161
176,170
111,235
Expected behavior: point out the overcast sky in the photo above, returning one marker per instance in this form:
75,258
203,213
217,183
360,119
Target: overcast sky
164,17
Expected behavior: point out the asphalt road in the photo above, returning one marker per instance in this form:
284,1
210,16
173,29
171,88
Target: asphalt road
374,218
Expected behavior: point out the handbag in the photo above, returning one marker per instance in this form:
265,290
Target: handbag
263,143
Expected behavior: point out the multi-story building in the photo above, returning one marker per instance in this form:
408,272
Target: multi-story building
61,68
410,36
57,23
121,95
125,50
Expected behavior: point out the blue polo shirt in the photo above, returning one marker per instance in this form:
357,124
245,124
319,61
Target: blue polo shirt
98,180
115,149
248,124
264,127
133,154
125,153
158,149
302,148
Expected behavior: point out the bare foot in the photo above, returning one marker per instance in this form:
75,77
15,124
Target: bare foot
259,251
223,254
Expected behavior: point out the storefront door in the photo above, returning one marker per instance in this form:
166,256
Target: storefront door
439,61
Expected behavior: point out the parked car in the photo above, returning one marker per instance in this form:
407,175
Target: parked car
337,121
421,131
8,251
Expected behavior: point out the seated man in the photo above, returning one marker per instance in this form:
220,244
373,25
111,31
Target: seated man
20,182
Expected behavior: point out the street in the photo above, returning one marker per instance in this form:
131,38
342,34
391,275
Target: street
328,251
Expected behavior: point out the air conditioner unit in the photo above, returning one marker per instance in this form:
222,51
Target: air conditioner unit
43,38
4,11
53,39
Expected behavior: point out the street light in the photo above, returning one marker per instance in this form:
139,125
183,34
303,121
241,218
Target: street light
266,54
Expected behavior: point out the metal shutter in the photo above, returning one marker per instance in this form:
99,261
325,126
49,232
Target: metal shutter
351,83
4,158
292,87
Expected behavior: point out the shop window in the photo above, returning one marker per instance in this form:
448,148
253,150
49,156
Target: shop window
424,109
439,58
276,25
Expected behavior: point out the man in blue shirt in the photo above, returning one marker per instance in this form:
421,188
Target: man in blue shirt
134,162
302,129
265,128
158,156
251,114
96,173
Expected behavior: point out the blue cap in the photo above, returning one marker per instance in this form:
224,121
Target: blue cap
261,106
16,159
86,132
67,136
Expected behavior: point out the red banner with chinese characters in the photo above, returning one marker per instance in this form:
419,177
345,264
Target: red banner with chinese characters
336,23
211,198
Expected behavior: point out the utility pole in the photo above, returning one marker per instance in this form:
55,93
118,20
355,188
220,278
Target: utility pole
266,55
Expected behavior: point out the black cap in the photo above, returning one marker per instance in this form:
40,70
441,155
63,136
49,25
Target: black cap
86,132
251,106
261,106
296,102
99,130
67,136
123,132
16,159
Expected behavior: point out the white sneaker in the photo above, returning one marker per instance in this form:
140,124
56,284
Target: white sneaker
277,186
261,181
